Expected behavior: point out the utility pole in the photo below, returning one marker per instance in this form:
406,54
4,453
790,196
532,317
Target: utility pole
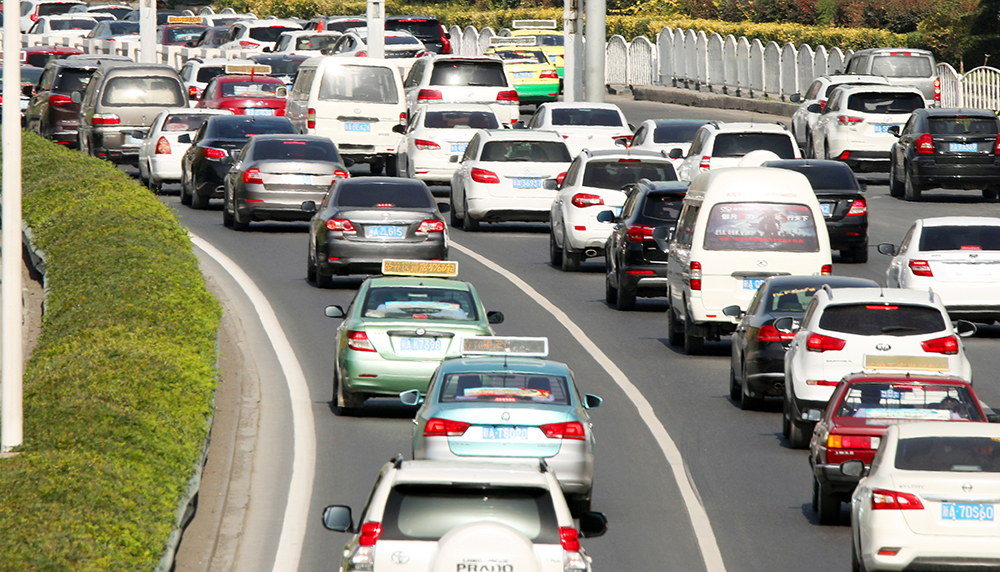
147,31
596,36
376,29
573,46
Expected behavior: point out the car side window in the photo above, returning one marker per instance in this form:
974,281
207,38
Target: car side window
630,202
231,35
302,85
685,225
903,246
209,92
572,173
472,150
810,310
371,495
754,306
48,77
201,132
186,72
910,125
639,136
834,103
698,143
877,460
536,120
813,90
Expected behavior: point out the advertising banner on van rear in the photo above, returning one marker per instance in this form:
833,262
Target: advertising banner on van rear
761,226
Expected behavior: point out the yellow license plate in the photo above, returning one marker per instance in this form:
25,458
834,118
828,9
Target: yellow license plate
909,363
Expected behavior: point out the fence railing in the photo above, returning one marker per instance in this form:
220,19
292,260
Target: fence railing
979,88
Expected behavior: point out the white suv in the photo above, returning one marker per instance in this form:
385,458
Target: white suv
463,79
444,515
811,104
719,145
852,330
255,35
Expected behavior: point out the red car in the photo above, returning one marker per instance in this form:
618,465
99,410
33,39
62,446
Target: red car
38,56
861,409
245,95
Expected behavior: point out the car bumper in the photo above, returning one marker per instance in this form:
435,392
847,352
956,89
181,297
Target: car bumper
165,168
534,93
492,209
928,173
637,277
924,552
835,481
765,371
366,257
385,377
864,160
848,232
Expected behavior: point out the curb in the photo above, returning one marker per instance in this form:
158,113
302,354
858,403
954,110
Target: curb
702,99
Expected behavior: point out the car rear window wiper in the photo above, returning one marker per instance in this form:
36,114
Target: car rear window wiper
891,329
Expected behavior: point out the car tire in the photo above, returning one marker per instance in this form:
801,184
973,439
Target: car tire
826,151
693,344
857,564
453,218
579,504
185,196
626,298
227,215
911,189
798,434
143,179
238,222
571,259
555,253
991,192
827,505
895,187
351,403
814,504
675,330
858,255
469,224
786,417
376,166
747,401
735,391
610,292
155,187
810,152
197,201
391,166
310,268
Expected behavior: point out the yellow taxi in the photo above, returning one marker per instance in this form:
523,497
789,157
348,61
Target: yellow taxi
531,74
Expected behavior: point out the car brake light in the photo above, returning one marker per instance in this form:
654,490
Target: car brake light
921,268
34,15
858,208
548,74
246,45
508,96
560,177
361,54
425,145
252,177
341,224
311,119
429,95
706,163
445,42
820,343
584,200
852,442
925,144
570,430
483,176
826,269
57,100
823,382
822,104
892,500
769,333
947,345
213,154
639,233
370,531
402,118
341,174
695,275
996,147
445,428
937,89
569,538
105,119
431,226
849,119
359,341
162,146
194,92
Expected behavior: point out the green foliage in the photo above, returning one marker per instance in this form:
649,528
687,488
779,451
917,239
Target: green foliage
118,391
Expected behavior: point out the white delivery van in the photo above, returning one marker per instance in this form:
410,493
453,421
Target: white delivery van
737,227
353,101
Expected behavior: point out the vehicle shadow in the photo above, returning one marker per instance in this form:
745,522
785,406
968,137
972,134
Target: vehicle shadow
721,348
380,408
341,282
813,518
278,227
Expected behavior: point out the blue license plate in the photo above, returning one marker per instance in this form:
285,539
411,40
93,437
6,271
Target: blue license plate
385,231
523,75
527,183
260,111
752,283
967,511
407,345
882,128
827,209
963,147
298,179
358,127
459,147
503,433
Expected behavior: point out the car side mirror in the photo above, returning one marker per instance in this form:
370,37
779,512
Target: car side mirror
550,184
76,97
887,249
591,401
814,108
894,129
732,311
494,317
676,153
964,328
184,138
453,159
993,417
281,91
334,311
621,142
593,523
338,518
606,216
853,468
266,49
397,128
786,325
795,98
411,397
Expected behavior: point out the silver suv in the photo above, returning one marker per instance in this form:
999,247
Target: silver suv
901,66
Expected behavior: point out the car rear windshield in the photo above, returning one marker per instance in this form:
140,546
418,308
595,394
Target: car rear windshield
585,116
395,303
882,319
283,65
427,512
240,128
362,195
826,177
184,121
889,403
902,66
344,25
269,34
314,42
361,84
616,173
676,132
419,27
475,74
207,73
401,41
72,79
249,88
739,144
529,151
53,8
533,56
792,300
81,24
124,28
295,150
507,387
949,454
885,102
460,119
40,59
125,91
659,208
970,238
761,226
549,40
963,125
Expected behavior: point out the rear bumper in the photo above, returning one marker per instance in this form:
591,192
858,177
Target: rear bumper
493,209
834,481
765,370
387,377
865,160
367,257
533,93
929,173
641,282
848,232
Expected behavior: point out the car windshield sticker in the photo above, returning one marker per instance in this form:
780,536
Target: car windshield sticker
520,392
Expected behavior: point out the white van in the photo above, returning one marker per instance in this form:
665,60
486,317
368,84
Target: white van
355,102
737,227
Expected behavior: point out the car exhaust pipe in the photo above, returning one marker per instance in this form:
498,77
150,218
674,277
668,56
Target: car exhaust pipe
590,252
220,189
779,386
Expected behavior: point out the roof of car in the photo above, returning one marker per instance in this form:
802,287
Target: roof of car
448,472
902,377
749,180
417,281
947,429
664,122
439,106
951,112
960,221
268,23
219,61
453,58
679,187
522,135
833,281
626,154
744,126
790,163
879,88
854,77
916,51
489,364
580,105
884,296
246,77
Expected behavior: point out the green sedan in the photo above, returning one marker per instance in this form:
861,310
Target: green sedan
398,329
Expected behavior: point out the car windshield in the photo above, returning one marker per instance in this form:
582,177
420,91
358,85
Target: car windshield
72,79
793,300
949,454
364,195
587,117
739,144
528,151
902,66
131,91
295,150
250,88
476,74
885,102
549,40
281,66
401,41
504,387
420,303
890,403
662,207
124,28
461,120
838,177
963,125
184,121
206,73
427,512
619,173
268,34
882,319
971,238
363,84
184,34
761,226
88,24
419,27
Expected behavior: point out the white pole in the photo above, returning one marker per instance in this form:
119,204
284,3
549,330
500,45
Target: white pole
147,31
11,358
596,40
572,44
376,29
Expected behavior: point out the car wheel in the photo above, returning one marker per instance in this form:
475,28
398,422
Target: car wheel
826,151
310,268
579,504
376,166
555,253
198,201
238,222
734,388
453,217
786,417
910,189
626,297
827,505
798,434
143,177
571,259
155,187
185,196
810,152
815,496
675,330
857,565
345,404
895,187
390,166
227,214
747,401
990,193
859,254
469,224
693,344
610,292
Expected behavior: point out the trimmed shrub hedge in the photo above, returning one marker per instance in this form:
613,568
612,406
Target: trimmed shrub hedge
118,391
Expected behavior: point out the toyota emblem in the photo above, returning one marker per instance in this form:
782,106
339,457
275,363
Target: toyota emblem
761,263
421,331
883,347
505,416
967,488
399,558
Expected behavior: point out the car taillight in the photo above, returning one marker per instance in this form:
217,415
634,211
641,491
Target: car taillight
705,164
252,177
445,42
194,92
925,144
822,104
849,119
445,428
341,174
996,147
105,119
921,268
569,430
162,146
508,96
584,200
483,176
826,269
858,208
852,442
425,145
213,154
359,341
431,226
820,343
311,119
893,500
34,15
947,345
937,89
362,54
695,275
341,224
569,538
247,45
57,100
560,177
402,118
639,233
429,95
370,531
548,74
769,333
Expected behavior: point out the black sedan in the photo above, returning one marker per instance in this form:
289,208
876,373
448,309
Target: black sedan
946,148
636,251
205,165
364,221
842,200
757,367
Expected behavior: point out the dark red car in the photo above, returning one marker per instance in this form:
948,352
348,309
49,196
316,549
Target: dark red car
38,56
245,95
861,410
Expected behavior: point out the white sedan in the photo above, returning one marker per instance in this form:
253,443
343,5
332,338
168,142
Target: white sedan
930,500
74,25
666,135
957,257
584,125
501,175
160,152
436,133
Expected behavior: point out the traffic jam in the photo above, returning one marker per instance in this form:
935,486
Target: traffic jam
729,229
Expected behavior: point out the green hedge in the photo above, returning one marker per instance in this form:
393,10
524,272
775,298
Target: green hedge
118,392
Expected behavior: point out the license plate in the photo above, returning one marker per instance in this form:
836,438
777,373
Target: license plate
752,283
259,111
409,345
358,127
974,270
385,231
967,511
523,75
882,128
298,179
502,433
963,147
24,104
129,140
527,183
459,147
827,209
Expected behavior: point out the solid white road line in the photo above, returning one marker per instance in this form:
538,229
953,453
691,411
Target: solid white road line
699,518
293,527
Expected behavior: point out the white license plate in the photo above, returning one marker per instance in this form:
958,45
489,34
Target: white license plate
882,128
259,111
129,140
521,183
298,179
963,147
357,127
523,75
385,231
967,511
827,209
974,270
419,345
752,283
459,147
503,433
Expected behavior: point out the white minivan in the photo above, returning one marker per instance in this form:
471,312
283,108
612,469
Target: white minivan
737,227
355,102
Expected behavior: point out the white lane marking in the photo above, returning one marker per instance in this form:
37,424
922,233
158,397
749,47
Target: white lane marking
699,518
293,527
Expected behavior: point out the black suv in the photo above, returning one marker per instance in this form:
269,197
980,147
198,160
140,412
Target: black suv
50,111
636,251
427,29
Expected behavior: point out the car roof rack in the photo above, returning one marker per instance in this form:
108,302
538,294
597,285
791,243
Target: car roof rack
829,290
397,461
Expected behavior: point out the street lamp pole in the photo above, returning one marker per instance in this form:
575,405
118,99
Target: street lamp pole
596,37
